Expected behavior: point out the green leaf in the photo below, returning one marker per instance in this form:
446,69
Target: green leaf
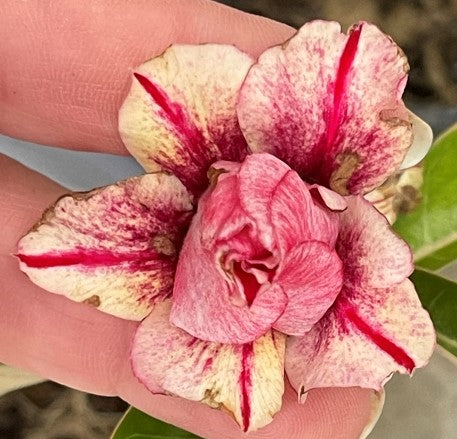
138,425
431,229
439,297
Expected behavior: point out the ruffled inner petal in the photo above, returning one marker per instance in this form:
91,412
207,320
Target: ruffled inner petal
311,277
231,302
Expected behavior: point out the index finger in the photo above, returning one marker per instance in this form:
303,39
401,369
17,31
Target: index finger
66,65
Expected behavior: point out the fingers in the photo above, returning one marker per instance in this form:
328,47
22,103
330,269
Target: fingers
66,65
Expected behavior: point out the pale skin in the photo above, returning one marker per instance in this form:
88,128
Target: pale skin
65,70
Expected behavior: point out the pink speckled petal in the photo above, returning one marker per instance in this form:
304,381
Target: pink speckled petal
366,336
219,313
329,105
282,205
180,113
311,277
373,255
114,247
246,380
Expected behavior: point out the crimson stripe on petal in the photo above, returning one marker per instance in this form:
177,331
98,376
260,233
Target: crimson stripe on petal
189,135
114,247
160,97
342,76
245,380
396,352
180,113
362,340
88,258
246,383
342,124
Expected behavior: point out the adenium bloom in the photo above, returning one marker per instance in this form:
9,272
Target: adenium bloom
248,250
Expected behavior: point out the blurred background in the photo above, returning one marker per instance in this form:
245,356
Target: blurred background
424,408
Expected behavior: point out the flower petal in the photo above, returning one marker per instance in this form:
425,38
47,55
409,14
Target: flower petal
366,336
201,287
373,255
281,204
312,277
422,141
114,247
180,113
330,199
246,380
329,105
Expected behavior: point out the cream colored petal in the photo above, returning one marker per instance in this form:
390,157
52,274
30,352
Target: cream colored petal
114,248
245,380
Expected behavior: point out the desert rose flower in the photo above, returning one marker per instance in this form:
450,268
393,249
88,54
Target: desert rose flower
248,251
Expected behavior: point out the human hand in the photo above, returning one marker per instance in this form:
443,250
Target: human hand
65,71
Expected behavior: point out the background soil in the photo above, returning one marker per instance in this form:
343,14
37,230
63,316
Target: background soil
427,32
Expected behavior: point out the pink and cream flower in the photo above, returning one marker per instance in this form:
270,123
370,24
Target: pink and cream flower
248,250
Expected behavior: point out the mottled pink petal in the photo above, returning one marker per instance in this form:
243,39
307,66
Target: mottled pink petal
373,255
366,336
246,380
311,276
329,105
201,285
114,248
282,205
180,112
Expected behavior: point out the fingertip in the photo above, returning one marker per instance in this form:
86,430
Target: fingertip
213,22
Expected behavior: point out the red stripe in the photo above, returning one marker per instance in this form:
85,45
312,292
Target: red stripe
345,65
396,352
247,353
159,96
90,258
195,144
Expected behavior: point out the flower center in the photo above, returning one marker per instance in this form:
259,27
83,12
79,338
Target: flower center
247,265
250,278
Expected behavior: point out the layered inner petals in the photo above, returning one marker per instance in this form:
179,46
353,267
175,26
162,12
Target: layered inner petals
256,229
246,380
329,105
366,336
180,113
228,302
114,248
